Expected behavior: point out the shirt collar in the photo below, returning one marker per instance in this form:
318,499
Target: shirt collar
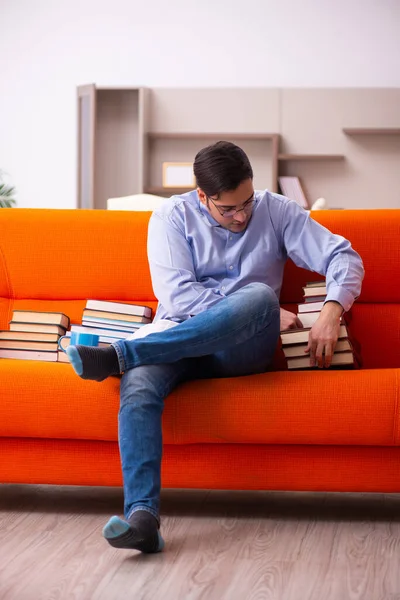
205,212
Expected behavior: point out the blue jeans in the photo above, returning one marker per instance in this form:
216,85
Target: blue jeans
237,336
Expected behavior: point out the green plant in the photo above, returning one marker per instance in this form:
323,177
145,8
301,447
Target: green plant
7,193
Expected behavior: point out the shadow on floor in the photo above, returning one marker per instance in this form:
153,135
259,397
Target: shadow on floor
207,503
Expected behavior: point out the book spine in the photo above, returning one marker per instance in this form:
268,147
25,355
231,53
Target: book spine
129,309
100,325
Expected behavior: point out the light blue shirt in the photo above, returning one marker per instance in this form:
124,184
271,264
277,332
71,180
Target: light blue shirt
195,262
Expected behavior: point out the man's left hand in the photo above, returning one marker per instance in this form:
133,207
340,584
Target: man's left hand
324,335
289,320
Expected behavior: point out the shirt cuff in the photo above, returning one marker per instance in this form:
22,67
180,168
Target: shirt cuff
344,297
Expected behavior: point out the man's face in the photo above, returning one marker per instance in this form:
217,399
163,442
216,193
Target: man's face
241,199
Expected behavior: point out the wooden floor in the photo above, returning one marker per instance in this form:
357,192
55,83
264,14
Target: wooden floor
220,546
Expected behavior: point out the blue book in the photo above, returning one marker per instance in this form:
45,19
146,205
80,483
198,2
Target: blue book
116,326
102,332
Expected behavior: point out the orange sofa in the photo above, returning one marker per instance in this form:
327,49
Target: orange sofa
318,430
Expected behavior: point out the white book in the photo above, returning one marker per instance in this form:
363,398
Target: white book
29,355
308,319
300,336
314,291
119,307
157,327
297,351
311,307
89,322
292,189
341,358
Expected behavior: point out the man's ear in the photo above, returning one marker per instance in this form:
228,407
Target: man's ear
202,196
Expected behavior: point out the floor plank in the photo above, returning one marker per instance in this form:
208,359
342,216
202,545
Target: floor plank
220,546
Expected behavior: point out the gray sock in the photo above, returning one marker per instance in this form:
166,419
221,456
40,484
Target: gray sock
92,362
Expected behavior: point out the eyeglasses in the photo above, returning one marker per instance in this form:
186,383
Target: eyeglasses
247,207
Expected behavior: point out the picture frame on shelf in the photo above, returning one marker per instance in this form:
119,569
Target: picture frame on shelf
178,175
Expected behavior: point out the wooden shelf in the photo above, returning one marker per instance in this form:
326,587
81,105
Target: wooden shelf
161,191
168,135
150,126
313,157
117,88
371,130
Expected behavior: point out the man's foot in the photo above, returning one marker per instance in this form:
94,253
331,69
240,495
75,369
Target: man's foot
140,532
93,363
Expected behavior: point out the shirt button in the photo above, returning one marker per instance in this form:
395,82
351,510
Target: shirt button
231,267
230,237
223,287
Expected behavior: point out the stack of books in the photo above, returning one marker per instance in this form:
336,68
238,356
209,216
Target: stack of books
33,335
294,341
314,294
111,321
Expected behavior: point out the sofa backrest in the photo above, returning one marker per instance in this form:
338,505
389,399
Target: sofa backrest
57,259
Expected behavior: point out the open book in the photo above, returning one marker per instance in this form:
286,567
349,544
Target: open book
158,326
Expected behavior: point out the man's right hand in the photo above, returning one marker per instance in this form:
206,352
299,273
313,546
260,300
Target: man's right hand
289,320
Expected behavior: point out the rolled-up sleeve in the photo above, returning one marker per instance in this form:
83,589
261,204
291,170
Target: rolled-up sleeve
313,247
173,273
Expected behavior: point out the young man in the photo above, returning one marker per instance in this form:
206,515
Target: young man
216,257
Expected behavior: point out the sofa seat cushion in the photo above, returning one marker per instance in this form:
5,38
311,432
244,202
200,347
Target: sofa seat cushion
47,400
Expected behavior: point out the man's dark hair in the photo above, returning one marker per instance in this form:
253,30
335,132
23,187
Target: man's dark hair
221,167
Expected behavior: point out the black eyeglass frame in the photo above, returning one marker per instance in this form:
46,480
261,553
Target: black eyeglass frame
231,213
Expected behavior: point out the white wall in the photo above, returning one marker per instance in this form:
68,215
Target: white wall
48,47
